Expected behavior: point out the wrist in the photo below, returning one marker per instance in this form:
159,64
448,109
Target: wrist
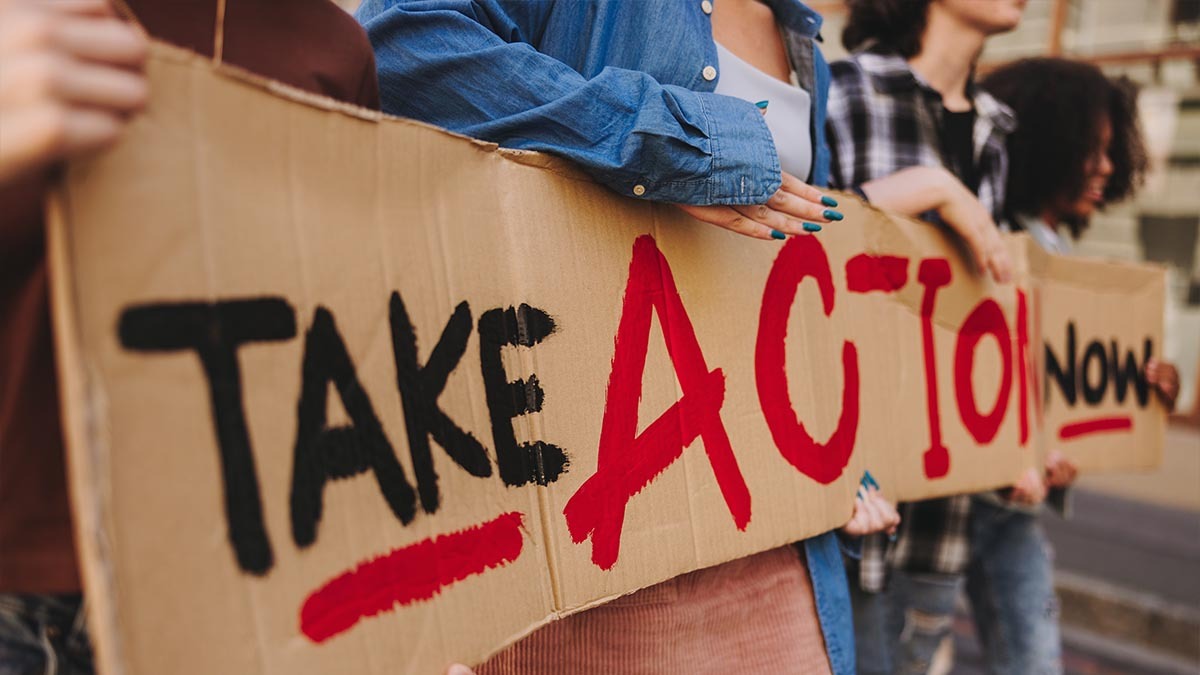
945,186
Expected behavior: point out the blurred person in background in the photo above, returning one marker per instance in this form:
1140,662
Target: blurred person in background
1076,148
661,100
912,133
71,77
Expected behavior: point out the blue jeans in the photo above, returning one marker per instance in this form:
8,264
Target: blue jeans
43,635
897,631
1011,586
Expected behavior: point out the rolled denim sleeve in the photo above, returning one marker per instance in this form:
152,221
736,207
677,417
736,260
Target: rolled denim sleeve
468,66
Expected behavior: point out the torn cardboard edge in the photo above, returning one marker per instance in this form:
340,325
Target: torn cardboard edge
85,473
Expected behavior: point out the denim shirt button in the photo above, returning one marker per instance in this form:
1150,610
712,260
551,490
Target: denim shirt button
639,190
709,73
706,6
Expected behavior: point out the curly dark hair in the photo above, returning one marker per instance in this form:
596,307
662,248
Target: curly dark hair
1061,106
894,26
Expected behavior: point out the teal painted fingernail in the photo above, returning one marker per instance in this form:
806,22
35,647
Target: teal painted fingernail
870,479
828,201
812,227
776,234
833,215
762,106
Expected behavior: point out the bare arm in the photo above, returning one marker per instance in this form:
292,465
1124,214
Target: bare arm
920,189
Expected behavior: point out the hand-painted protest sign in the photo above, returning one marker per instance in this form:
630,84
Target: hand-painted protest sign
357,395
1094,354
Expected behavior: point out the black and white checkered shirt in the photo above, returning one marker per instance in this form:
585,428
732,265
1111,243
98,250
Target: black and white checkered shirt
883,118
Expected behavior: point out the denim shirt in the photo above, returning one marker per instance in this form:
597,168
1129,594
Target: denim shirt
624,88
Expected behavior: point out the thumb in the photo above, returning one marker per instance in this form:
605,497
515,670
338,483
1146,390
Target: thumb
459,669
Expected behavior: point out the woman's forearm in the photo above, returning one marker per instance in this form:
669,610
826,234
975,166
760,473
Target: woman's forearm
911,191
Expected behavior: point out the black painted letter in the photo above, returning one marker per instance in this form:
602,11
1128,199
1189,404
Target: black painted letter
419,390
322,453
215,331
524,326
1094,361
1130,370
1065,377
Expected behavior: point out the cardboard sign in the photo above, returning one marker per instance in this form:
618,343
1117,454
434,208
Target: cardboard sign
1094,353
355,394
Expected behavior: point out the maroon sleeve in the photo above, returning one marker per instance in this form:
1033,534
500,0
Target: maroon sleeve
368,92
310,44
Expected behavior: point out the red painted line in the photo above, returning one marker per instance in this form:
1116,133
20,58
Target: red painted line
866,273
1097,425
407,575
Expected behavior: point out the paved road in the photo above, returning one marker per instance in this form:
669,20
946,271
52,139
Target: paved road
1138,546
1078,659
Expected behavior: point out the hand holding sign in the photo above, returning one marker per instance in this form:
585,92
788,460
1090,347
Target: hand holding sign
1029,489
872,513
1060,471
783,214
1165,380
69,75
919,189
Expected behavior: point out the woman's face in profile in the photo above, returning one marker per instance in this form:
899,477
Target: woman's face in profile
988,16
1097,169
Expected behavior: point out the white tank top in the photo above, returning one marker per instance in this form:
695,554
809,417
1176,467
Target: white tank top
788,109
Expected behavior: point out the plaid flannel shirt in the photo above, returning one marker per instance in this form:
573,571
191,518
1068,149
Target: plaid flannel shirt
882,117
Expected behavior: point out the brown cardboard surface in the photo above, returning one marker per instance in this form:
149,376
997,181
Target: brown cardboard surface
1094,406
229,213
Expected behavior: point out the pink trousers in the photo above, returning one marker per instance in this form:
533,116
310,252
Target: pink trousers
754,615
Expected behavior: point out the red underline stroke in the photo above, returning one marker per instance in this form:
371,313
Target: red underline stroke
411,574
1095,425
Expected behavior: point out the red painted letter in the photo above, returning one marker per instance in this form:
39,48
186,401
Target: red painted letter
866,273
628,462
933,274
801,257
986,319
1023,365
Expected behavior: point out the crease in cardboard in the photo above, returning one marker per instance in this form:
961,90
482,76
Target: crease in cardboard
202,167
431,213
688,464
506,174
